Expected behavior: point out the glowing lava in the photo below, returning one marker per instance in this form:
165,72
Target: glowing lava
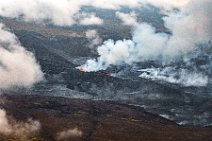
82,69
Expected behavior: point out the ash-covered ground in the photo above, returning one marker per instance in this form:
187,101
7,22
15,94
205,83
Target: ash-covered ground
178,92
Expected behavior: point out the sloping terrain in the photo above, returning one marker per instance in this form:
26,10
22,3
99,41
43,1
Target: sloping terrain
59,50
121,103
96,120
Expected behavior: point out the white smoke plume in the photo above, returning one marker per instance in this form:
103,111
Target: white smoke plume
19,129
131,18
90,19
167,4
4,124
70,134
189,27
114,4
94,38
177,76
129,51
60,13
63,12
18,67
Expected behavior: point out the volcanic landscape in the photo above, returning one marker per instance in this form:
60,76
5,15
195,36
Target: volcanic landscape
138,101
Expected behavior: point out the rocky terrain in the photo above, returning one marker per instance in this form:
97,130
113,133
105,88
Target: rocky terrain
110,105
59,50
88,120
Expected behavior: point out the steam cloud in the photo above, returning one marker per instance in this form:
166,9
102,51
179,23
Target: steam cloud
18,67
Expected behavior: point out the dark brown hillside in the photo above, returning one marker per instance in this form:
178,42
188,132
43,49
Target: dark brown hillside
97,120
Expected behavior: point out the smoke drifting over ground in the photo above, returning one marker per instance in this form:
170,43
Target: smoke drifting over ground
62,13
18,67
190,27
21,130
173,75
167,4
94,38
89,19
71,134
131,18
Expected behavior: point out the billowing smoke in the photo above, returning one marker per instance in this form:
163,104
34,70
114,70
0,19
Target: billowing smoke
62,13
18,67
150,46
21,130
189,27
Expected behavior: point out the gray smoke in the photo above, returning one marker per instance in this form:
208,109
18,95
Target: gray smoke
18,67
